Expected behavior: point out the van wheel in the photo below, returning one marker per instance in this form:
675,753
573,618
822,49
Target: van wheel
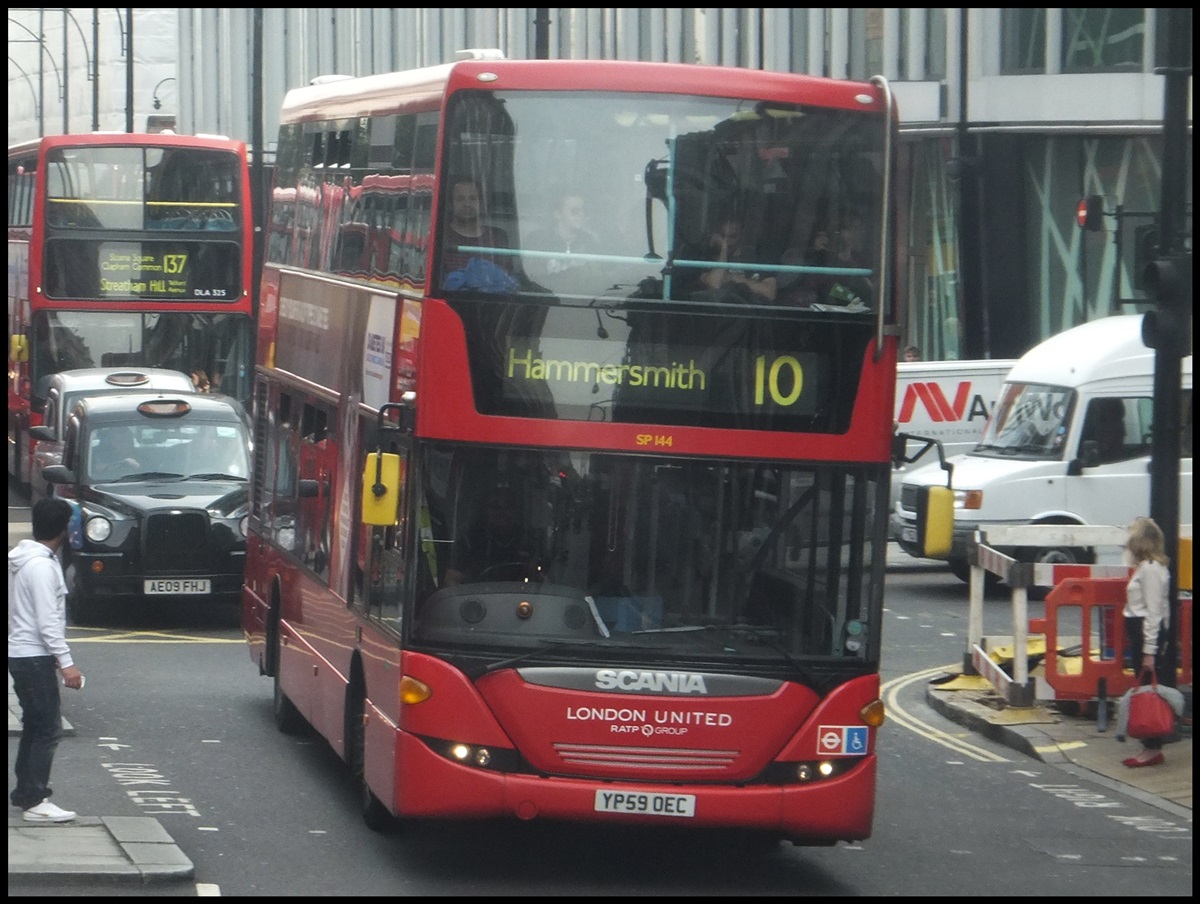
961,569
1055,555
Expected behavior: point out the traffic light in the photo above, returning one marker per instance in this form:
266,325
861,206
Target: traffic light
1168,327
1090,213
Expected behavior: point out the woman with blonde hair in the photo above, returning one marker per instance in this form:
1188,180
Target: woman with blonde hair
1147,617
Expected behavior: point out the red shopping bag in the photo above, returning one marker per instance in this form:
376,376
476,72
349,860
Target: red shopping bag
1150,716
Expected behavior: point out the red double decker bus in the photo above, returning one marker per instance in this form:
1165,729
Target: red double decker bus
580,521
126,249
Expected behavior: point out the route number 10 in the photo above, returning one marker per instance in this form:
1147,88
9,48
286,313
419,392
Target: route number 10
768,379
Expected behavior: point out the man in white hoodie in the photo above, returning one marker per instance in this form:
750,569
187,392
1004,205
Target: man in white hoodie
37,651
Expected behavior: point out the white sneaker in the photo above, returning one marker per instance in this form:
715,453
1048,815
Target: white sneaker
47,812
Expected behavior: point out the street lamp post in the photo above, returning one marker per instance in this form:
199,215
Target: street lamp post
40,40
64,74
157,102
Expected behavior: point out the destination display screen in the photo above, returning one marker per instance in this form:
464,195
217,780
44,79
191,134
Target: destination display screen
151,270
663,366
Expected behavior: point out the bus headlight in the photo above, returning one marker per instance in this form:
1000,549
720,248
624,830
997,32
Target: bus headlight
97,529
465,753
492,759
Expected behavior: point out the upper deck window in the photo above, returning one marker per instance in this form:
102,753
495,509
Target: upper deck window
605,196
135,188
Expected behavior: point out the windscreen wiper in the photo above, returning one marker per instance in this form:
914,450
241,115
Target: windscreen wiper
760,634
148,475
561,645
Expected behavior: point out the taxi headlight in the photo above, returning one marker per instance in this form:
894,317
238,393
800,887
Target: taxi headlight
98,529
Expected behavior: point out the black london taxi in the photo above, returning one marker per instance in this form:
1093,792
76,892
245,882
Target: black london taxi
161,483
63,389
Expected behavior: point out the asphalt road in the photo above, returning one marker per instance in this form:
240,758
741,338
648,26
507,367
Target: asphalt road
173,699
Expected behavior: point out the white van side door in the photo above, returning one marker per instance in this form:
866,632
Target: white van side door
1109,481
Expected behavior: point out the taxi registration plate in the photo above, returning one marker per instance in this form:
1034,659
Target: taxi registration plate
176,586
908,534
619,800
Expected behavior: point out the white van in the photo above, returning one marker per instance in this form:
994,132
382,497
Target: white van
949,401
1045,456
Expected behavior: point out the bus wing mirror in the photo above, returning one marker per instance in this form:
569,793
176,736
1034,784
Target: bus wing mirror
381,488
405,411
18,349
308,488
43,433
935,521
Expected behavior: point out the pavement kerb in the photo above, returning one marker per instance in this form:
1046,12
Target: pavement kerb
1074,743
91,849
1025,739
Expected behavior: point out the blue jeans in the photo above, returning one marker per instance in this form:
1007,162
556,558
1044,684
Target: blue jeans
35,680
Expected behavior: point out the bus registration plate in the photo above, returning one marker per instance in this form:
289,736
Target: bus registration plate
174,586
617,800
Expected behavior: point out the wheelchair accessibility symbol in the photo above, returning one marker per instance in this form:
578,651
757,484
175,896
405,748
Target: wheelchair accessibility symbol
848,740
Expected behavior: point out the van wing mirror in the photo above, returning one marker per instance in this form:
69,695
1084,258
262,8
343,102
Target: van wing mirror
900,454
1089,457
935,521
1089,453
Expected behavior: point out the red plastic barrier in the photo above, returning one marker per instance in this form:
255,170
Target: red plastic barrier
1100,602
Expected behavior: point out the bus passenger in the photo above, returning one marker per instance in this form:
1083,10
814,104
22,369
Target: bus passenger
470,269
725,245
843,246
569,235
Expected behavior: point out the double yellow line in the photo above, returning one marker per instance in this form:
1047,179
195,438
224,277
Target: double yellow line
898,714
144,637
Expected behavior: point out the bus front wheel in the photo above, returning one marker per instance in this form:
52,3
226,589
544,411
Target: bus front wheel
374,813
288,718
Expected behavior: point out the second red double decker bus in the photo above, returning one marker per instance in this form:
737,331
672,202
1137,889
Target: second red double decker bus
126,250
573,434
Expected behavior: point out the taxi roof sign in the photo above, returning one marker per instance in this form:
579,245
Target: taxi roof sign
127,378
164,408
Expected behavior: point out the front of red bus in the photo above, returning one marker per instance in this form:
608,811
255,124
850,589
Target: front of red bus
142,255
651,456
